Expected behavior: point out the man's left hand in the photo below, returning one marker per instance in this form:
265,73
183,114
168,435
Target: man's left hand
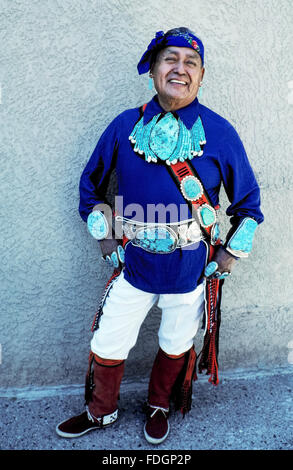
221,265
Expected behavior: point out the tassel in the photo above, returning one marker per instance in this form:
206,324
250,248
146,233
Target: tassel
182,390
208,360
209,354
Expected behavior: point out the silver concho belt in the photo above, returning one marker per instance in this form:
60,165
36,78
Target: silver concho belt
161,238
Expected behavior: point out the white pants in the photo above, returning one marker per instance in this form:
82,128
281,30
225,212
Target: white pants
126,308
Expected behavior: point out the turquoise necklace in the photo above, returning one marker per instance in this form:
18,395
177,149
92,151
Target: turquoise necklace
168,139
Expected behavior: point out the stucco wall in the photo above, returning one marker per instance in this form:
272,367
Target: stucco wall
67,67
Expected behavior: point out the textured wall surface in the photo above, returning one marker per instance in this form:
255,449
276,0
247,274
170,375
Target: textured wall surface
67,67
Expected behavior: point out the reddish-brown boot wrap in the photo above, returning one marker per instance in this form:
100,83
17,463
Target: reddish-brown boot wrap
102,385
165,371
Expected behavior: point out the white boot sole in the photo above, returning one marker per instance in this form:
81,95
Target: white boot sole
153,440
70,436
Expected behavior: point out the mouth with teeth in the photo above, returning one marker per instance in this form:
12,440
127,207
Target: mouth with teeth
177,82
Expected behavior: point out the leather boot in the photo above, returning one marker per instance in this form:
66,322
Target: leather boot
165,371
101,395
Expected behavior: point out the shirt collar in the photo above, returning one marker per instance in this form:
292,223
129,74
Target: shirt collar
188,114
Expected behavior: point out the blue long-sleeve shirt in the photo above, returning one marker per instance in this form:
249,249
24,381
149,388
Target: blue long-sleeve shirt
224,160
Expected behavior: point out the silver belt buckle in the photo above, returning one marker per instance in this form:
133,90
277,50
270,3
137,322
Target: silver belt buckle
189,233
161,238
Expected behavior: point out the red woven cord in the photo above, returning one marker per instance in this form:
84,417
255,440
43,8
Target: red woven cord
98,314
208,356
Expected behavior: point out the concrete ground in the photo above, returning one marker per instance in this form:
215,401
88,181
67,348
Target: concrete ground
248,410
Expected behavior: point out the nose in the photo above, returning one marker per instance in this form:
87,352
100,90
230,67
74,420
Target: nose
179,67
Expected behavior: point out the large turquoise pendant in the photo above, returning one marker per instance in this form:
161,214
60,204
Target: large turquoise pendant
168,139
164,136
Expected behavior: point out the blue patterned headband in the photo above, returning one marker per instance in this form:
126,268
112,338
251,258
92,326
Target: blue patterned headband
162,40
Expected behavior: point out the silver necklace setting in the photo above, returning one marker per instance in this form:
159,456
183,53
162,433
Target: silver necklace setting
167,139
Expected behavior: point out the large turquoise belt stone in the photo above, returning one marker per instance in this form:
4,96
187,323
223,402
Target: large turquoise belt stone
156,239
168,139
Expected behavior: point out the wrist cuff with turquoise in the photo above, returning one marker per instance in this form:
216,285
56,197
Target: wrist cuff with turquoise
240,243
97,225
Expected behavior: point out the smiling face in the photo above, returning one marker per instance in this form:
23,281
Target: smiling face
177,74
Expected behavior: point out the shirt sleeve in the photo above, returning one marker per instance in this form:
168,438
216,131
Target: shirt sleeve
239,181
95,178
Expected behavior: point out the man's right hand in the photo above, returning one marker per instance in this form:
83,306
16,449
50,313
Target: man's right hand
108,245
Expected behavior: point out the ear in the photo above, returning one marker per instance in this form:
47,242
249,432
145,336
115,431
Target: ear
202,73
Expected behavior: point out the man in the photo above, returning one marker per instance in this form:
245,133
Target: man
176,153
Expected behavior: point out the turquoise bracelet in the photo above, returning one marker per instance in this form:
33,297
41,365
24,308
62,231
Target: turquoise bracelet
116,257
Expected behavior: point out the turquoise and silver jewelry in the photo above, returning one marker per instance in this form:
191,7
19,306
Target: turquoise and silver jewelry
97,225
121,253
223,275
215,233
114,259
108,260
211,268
207,215
194,232
156,239
168,139
191,188
161,238
240,244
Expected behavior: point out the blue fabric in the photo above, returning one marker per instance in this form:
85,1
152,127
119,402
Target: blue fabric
223,161
162,40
